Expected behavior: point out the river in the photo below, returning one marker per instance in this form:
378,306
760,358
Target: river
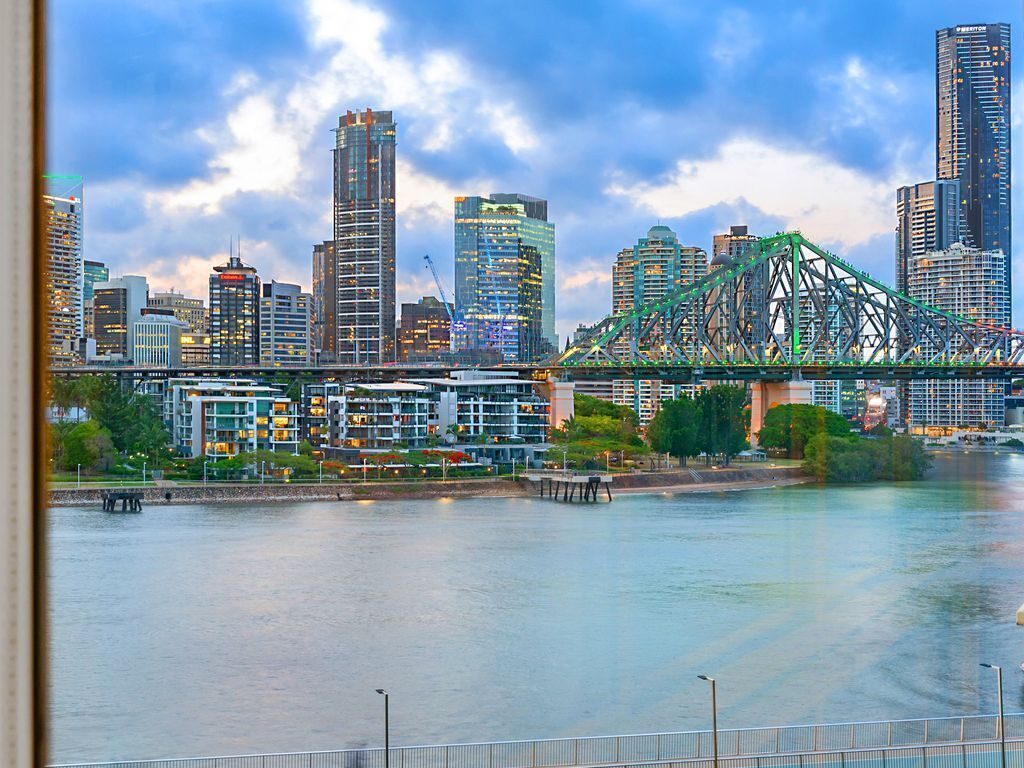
202,630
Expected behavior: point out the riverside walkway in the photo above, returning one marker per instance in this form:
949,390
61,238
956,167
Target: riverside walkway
947,742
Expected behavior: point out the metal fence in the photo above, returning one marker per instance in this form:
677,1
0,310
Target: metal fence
743,748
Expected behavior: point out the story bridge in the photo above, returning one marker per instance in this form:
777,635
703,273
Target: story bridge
786,313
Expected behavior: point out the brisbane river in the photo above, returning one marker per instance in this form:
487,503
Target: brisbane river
225,629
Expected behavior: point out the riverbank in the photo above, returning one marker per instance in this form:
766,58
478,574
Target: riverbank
682,481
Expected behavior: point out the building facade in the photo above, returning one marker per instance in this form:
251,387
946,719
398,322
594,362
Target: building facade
195,349
730,246
234,314
655,266
360,320
972,121
490,406
424,332
284,325
927,219
93,272
117,305
501,250
323,294
189,310
157,339
222,418
382,416
970,282
62,218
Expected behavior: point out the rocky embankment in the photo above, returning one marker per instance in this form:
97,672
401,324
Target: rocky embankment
695,478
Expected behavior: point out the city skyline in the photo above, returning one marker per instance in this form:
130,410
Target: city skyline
867,99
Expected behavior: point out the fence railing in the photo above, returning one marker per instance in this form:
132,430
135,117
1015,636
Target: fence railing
662,749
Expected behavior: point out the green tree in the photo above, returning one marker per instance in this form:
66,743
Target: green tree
723,421
675,427
1013,442
880,430
843,460
791,426
90,445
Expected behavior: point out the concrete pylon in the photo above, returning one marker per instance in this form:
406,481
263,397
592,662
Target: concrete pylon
768,394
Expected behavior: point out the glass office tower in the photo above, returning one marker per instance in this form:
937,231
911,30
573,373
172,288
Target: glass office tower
499,276
234,314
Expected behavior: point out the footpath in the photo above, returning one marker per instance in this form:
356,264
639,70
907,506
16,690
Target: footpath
681,481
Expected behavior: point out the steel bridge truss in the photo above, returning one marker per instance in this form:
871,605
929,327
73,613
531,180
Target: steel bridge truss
789,304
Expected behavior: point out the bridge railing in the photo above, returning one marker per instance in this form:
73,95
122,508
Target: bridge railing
660,749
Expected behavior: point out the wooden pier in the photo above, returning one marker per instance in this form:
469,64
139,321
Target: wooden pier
571,487
131,501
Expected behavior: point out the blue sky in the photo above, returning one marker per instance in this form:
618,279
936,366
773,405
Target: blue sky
195,121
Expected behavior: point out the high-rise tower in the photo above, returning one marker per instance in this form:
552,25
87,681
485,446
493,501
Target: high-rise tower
972,129
234,314
362,313
927,219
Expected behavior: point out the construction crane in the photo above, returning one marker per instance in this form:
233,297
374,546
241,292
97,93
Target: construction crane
449,307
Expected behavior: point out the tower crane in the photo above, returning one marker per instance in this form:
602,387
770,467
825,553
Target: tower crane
449,307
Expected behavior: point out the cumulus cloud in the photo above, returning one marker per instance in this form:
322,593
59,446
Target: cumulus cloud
269,140
584,276
806,190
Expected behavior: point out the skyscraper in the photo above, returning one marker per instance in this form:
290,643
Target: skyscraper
425,330
361,318
537,231
323,295
965,281
927,219
499,276
117,306
284,325
972,94
234,314
93,272
729,246
63,222
655,266
186,308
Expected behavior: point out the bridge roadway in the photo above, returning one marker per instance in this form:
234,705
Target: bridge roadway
949,742
677,374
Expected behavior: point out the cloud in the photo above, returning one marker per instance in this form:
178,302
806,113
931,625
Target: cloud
269,140
585,276
422,199
806,190
736,37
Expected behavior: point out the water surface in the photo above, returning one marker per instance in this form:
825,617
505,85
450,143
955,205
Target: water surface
197,630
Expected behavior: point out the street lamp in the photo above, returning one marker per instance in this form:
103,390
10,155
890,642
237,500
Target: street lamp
714,714
79,477
204,471
387,728
321,470
1002,722
143,473
263,471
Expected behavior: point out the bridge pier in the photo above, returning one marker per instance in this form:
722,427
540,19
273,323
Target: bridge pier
766,394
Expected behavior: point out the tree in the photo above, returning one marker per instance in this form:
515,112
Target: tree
674,428
1013,442
90,445
844,460
723,421
880,430
791,426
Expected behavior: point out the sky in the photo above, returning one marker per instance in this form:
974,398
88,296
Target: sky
195,122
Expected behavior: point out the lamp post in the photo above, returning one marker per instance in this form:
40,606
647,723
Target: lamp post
608,461
387,729
79,477
204,471
714,714
263,471
513,469
321,470
143,473
1002,722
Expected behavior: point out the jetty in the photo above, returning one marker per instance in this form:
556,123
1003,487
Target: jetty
568,487
131,501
